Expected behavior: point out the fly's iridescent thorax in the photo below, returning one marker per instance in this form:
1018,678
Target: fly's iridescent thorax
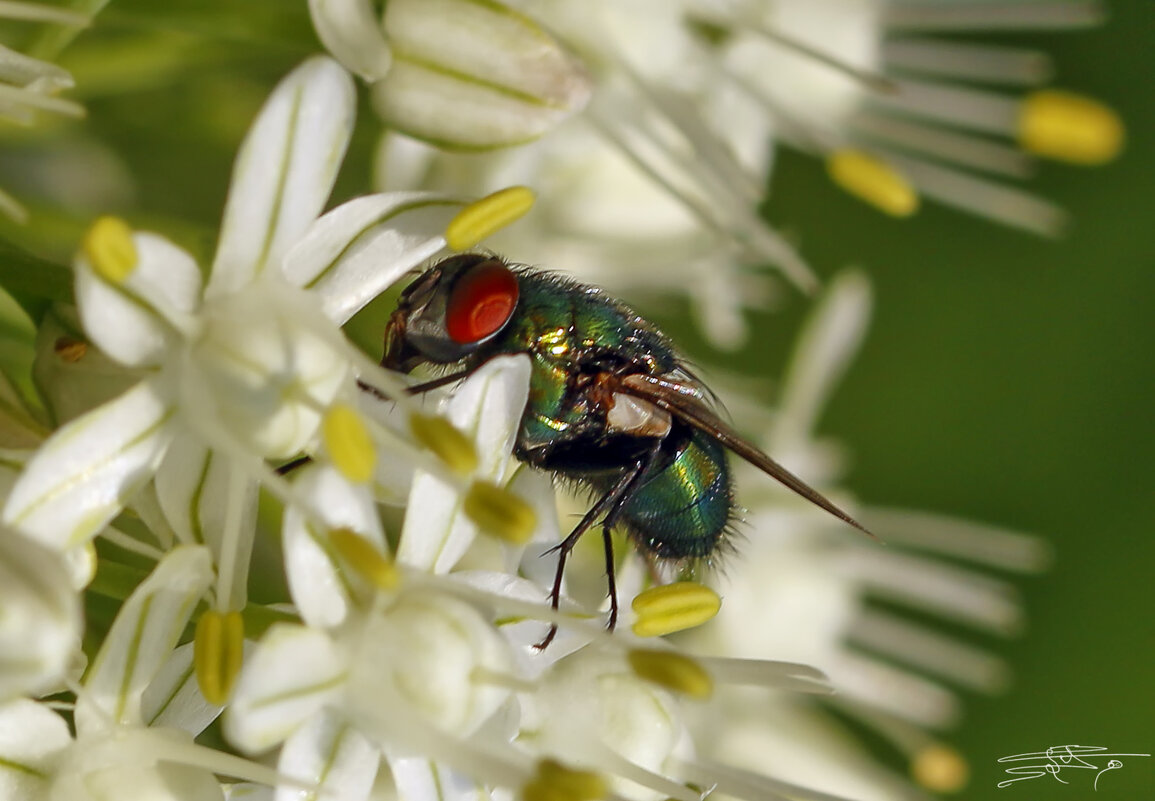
574,335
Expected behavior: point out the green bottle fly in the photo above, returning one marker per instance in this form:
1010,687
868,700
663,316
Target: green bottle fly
610,407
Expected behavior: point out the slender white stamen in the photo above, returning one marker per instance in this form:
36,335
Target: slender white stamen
742,223
23,97
965,61
484,675
871,81
505,605
874,684
729,780
964,107
20,70
933,765
718,164
930,585
485,760
789,676
670,155
199,756
998,202
132,544
231,539
926,649
824,349
39,12
611,761
991,16
969,151
989,545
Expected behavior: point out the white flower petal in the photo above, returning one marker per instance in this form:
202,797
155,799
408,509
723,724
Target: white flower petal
487,408
142,638
475,75
319,586
331,755
40,623
31,739
284,171
82,476
248,792
825,347
357,250
291,674
419,779
130,320
193,486
393,473
350,30
173,698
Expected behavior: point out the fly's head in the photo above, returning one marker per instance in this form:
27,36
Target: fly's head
452,309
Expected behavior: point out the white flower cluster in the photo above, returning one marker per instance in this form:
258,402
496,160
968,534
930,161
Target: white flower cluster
400,659
411,668
656,184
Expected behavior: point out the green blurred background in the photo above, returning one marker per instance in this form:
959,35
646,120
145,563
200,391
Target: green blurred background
1005,378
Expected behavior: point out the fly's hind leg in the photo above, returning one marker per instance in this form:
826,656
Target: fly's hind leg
608,508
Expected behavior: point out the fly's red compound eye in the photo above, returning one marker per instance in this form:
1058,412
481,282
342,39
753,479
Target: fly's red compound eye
481,303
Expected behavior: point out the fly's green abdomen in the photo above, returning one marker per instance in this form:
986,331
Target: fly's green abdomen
682,510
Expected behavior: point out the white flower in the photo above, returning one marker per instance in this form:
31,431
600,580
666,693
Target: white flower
244,369
410,670
41,622
655,186
456,73
895,109
135,716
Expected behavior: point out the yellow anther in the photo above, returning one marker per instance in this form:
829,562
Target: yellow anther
485,217
499,512
940,769
451,446
555,782
874,181
1069,127
109,248
218,651
348,442
671,670
674,607
361,555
